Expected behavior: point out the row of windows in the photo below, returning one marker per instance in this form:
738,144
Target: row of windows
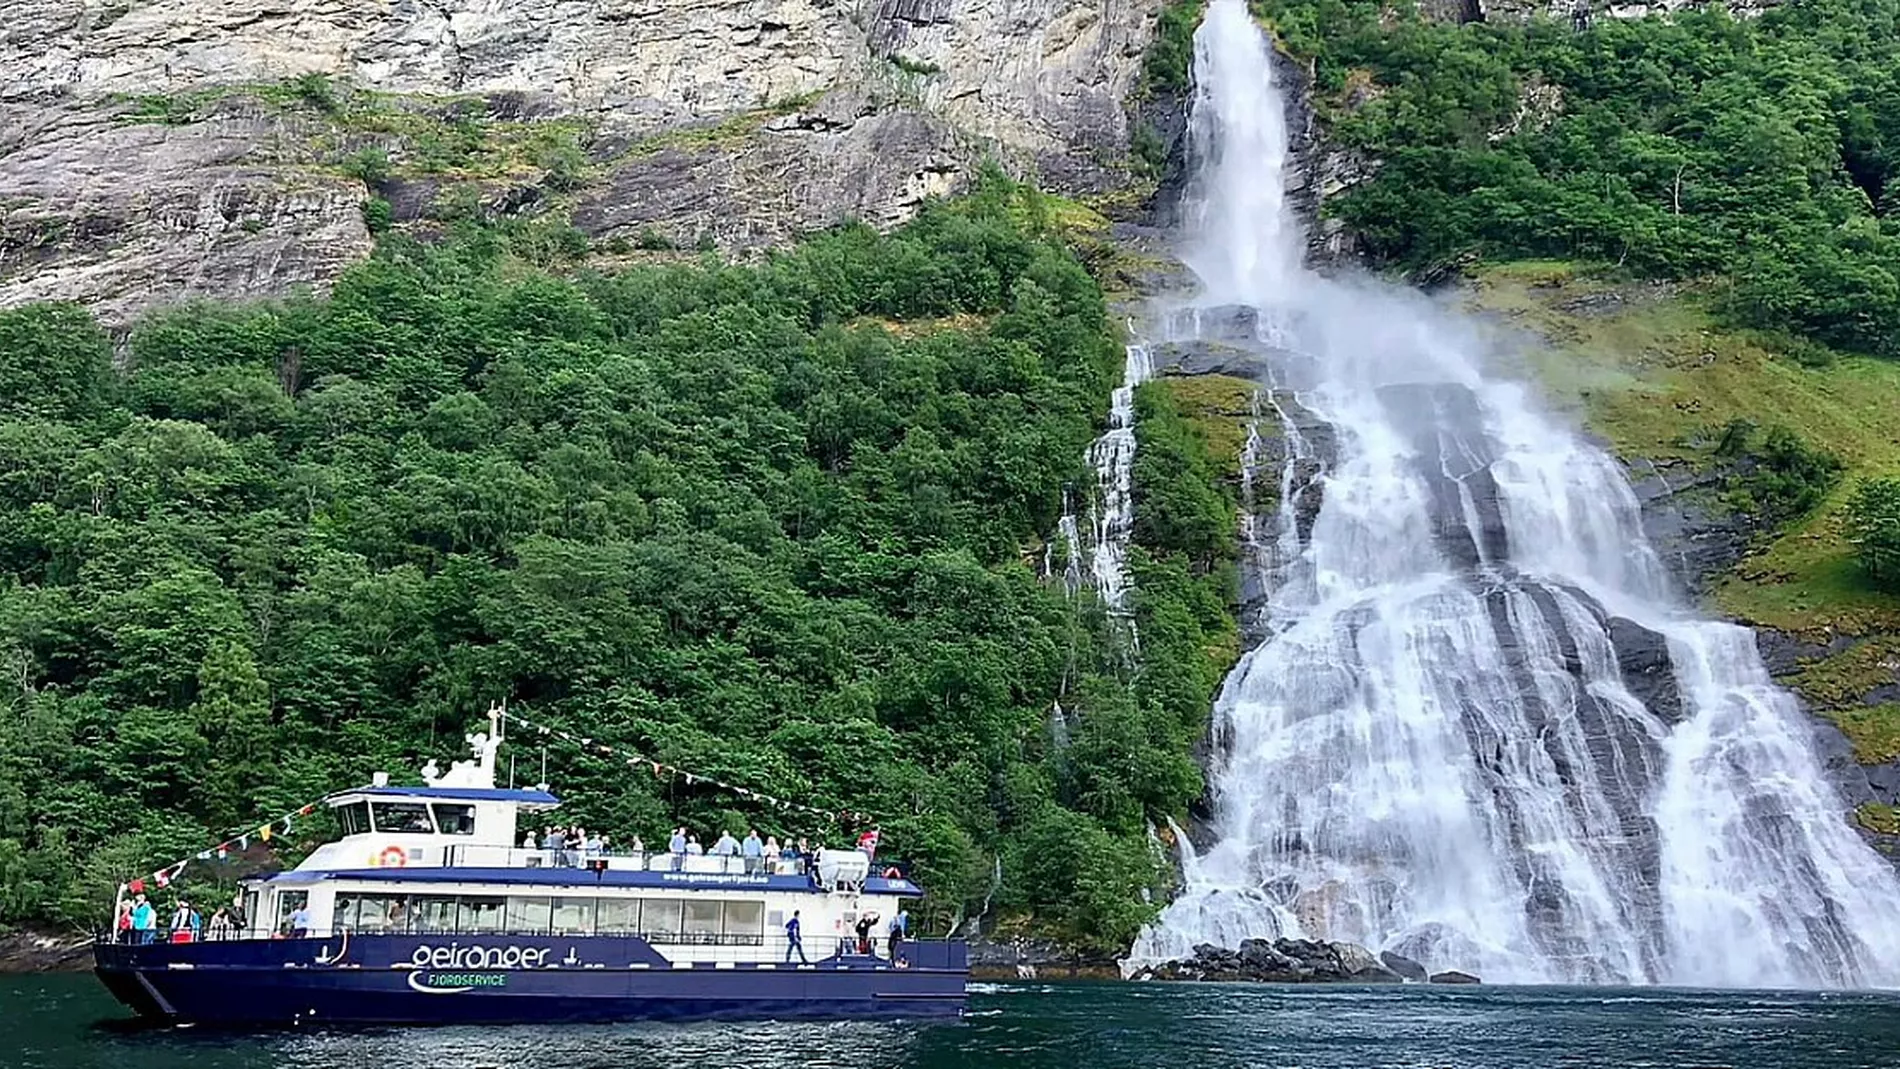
680,919
450,818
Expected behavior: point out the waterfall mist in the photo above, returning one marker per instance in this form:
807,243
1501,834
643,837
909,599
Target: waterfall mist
1480,731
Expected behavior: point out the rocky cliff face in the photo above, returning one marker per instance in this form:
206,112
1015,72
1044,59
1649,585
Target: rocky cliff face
157,149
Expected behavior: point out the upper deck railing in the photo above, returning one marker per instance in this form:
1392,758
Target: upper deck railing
479,855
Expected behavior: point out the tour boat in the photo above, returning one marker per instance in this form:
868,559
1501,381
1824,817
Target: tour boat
427,911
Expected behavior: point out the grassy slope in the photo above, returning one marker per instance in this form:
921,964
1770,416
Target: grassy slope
1651,372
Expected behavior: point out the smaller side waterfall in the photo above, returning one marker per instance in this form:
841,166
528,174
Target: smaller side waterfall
1113,456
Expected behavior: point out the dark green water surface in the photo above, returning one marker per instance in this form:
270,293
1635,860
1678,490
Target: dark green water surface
67,1022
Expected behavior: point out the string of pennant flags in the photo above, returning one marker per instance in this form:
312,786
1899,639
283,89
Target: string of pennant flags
662,769
169,874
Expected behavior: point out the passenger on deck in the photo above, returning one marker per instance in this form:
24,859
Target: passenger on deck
772,853
693,849
528,840
866,925
144,921
221,926
794,940
753,851
637,846
122,927
726,846
185,923
556,845
300,922
899,930
590,846
676,846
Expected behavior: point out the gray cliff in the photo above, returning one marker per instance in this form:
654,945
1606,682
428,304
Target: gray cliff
154,150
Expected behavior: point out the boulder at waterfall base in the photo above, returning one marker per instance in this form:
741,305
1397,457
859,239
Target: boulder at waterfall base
1277,961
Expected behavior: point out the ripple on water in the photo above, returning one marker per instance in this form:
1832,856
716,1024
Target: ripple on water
1057,1026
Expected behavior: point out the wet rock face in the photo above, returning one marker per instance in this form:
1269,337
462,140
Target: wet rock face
864,108
1404,966
1279,961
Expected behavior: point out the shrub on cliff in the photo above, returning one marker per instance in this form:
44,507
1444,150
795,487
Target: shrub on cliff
1873,516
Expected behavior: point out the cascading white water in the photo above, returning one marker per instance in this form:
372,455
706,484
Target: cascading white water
1113,457
1478,731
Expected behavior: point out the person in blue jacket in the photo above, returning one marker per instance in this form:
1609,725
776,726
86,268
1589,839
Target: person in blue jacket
794,940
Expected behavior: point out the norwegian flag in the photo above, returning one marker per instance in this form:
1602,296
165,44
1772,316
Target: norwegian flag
868,843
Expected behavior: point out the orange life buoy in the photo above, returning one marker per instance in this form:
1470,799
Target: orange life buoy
893,874
392,857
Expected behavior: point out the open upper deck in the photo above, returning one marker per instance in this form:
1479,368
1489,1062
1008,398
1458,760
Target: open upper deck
459,828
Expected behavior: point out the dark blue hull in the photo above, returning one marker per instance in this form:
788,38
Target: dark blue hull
508,979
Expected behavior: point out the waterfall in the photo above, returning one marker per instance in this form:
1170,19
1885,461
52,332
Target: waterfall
1479,730
1113,458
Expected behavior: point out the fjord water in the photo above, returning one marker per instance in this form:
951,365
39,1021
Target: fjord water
68,1022
1478,730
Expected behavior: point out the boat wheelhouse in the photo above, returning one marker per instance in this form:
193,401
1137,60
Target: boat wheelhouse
428,909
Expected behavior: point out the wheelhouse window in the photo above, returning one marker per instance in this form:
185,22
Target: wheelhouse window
354,818
402,817
453,819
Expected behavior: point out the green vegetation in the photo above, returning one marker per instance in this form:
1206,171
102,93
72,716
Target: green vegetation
718,512
1168,65
1875,732
1883,819
1780,479
1218,407
1761,150
918,67
1873,517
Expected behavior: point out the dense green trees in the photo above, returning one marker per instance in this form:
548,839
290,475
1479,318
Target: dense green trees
1763,150
726,513
1873,516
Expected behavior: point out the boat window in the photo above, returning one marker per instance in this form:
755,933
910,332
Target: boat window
354,818
618,915
343,913
744,918
372,912
402,816
574,916
660,918
482,915
434,914
526,914
454,819
289,902
702,918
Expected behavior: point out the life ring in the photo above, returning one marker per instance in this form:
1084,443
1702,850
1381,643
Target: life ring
893,873
392,857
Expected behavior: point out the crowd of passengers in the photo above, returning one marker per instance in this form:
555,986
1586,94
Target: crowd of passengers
140,921
573,846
